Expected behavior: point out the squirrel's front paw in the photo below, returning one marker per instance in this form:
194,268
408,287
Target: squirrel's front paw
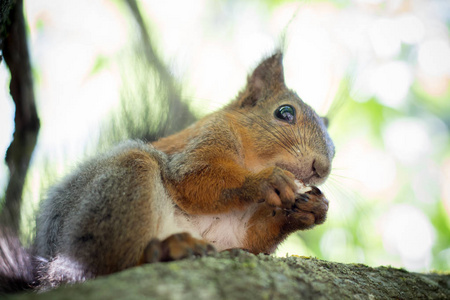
276,187
310,208
176,247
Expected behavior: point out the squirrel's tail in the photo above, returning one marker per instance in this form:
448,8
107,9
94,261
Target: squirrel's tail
16,267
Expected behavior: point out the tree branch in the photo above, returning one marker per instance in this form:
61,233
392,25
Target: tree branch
18,155
5,8
239,275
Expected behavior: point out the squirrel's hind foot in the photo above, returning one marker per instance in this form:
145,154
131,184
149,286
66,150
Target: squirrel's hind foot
175,247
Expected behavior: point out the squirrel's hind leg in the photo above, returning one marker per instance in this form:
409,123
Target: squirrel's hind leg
175,247
101,219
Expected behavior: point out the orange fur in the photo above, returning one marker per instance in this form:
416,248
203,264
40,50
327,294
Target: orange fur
233,158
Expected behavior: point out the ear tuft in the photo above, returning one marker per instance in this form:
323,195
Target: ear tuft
269,72
268,76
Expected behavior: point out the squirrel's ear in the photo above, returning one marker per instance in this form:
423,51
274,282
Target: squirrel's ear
268,76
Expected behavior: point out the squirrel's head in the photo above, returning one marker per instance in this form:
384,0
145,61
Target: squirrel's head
281,129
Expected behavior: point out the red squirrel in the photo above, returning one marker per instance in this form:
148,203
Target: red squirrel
242,177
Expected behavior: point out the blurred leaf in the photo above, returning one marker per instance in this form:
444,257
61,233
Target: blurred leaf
100,63
40,24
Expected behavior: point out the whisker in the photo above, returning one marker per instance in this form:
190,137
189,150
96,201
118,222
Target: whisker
266,126
282,131
342,177
295,142
344,193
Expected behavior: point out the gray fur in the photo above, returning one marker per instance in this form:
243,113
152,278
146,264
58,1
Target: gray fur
80,226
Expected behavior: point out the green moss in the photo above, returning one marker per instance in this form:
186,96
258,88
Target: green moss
240,275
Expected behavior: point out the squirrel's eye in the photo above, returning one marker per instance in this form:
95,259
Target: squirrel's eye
285,113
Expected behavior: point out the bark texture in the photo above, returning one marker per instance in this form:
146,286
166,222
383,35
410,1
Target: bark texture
240,275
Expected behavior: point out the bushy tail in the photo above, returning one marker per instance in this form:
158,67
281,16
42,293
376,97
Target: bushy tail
16,267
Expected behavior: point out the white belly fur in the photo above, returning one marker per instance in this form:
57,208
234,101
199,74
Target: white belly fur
224,231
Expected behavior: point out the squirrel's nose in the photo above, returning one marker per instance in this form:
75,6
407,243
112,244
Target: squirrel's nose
321,166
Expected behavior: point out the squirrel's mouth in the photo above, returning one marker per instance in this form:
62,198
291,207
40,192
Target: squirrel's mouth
302,184
300,175
305,177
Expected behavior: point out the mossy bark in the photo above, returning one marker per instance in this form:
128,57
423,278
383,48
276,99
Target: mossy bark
241,275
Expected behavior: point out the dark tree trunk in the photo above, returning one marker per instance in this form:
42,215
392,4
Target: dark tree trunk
18,155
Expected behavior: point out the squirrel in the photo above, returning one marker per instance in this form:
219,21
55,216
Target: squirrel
242,177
